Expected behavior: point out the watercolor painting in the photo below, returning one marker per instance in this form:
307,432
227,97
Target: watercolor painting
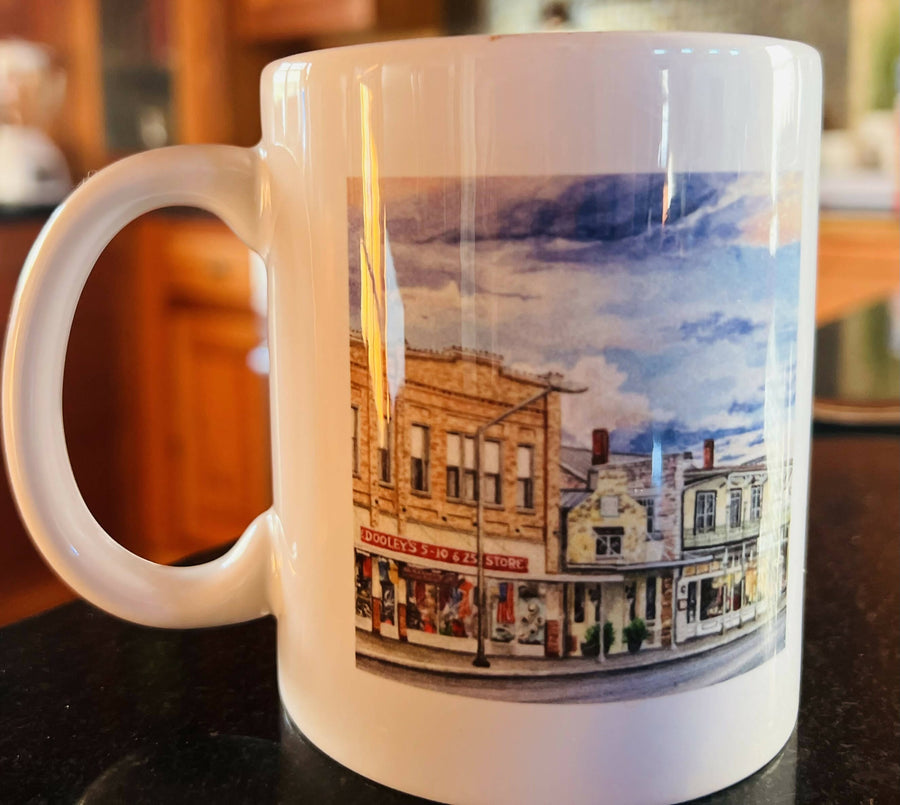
572,405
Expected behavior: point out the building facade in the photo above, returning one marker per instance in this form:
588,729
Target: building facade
415,501
690,551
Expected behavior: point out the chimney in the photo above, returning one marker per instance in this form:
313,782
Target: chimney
709,453
599,446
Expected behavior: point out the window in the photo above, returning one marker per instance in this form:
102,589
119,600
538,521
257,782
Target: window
755,502
609,541
525,476
418,451
578,602
650,599
649,505
609,506
711,598
490,473
692,601
737,594
385,475
355,438
630,597
735,501
704,512
460,466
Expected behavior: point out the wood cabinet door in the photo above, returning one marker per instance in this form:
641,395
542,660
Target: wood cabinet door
219,445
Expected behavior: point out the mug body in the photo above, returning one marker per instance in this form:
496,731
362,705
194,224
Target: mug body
541,334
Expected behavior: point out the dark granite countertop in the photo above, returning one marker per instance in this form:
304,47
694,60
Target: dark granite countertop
95,710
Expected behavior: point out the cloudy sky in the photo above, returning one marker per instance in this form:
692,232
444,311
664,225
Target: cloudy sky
668,299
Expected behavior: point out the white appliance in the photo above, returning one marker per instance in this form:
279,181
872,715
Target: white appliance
33,171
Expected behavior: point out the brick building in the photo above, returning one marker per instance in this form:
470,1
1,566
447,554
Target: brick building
414,495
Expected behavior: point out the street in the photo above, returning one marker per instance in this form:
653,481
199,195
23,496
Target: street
699,670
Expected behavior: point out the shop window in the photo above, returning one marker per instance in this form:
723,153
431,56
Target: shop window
755,502
650,599
704,512
388,593
532,615
455,606
363,585
525,476
594,596
421,606
419,458
692,601
630,597
578,601
735,502
737,594
385,457
460,467
354,412
711,598
608,541
505,613
491,472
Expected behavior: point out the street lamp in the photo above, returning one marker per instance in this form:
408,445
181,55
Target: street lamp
481,661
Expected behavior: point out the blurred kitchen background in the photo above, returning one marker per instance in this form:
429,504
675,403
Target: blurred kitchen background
165,391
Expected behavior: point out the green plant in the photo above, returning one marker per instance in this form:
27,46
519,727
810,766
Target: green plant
635,633
609,636
591,645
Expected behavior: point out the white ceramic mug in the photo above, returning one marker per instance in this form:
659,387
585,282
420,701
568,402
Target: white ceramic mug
541,334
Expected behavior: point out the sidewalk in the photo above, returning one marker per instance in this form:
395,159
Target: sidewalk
424,658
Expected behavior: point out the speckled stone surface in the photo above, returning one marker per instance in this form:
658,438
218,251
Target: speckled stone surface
98,711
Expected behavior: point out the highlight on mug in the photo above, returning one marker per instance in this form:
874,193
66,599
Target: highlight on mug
572,401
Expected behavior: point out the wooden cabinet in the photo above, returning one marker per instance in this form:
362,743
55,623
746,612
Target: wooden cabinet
197,439
859,256
166,423
287,19
219,454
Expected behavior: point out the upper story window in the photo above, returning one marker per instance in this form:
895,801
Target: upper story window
354,412
419,449
704,512
755,502
525,476
608,541
735,503
609,506
490,473
461,467
649,504
385,456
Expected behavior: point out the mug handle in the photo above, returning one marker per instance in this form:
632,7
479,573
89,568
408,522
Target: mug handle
225,180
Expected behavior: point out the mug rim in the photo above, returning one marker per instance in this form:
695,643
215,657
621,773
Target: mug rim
400,48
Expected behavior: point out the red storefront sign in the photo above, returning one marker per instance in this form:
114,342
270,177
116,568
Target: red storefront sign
442,553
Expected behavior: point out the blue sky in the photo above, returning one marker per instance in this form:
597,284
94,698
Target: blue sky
670,300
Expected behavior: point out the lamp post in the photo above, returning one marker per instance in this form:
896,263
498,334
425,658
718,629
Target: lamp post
481,661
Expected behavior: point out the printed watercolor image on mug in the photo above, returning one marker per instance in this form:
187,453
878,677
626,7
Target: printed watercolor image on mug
571,430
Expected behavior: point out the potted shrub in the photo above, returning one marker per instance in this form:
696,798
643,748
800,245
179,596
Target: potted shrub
591,645
635,633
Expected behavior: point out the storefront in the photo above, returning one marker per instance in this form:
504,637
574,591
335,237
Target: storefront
439,608
718,596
